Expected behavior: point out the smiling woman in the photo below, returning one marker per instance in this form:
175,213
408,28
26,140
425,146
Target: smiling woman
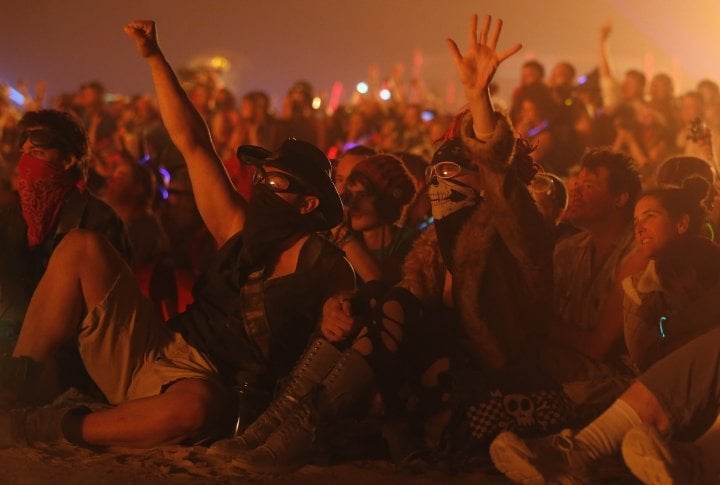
661,217
664,214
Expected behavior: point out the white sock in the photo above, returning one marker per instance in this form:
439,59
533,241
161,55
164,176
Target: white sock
604,435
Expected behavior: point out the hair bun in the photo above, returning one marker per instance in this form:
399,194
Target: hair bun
697,186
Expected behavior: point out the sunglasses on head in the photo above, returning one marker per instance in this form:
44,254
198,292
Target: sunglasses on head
445,170
278,182
42,139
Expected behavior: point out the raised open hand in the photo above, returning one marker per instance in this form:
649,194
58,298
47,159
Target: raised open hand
145,37
606,30
477,67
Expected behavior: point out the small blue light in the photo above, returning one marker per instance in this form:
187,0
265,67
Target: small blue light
539,128
582,80
144,160
165,175
426,223
349,145
16,97
164,193
661,326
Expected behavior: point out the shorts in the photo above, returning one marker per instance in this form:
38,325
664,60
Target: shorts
129,351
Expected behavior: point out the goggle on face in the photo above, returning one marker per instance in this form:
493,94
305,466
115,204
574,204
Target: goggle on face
447,193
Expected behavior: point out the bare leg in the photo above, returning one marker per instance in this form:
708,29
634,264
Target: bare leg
190,409
81,271
647,406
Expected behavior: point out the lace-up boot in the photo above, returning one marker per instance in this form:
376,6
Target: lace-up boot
315,364
347,390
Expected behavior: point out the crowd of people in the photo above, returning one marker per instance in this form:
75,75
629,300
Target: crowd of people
445,286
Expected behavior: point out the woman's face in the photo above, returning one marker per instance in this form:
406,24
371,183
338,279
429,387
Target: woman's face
529,112
653,226
361,210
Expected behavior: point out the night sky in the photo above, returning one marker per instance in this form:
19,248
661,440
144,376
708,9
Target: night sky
272,43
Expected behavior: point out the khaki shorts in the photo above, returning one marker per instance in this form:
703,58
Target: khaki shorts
129,352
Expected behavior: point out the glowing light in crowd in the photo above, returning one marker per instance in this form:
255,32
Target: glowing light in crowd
316,102
362,87
335,94
220,63
385,94
15,96
165,174
582,79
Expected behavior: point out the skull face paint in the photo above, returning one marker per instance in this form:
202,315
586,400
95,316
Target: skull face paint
447,193
448,196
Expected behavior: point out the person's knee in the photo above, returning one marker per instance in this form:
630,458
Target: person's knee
192,418
201,411
80,245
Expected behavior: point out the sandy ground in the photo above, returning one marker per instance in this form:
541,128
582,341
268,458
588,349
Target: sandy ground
66,464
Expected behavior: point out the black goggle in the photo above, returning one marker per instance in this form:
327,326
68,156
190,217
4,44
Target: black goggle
278,182
42,139
445,170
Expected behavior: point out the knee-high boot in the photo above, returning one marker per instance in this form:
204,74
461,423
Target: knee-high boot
347,389
312,368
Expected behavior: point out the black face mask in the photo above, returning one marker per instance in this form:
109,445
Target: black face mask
270,221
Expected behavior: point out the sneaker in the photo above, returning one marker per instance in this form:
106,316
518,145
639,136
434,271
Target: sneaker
556,459
655,461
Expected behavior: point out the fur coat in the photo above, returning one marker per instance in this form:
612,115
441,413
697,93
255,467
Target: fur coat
502,284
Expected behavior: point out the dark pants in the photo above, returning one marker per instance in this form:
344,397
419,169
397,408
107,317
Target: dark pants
687,384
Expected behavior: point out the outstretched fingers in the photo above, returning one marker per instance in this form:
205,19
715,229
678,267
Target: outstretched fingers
496,33
485,29
455,51
504,55
473,30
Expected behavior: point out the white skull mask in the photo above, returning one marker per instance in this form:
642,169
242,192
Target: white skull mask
448,196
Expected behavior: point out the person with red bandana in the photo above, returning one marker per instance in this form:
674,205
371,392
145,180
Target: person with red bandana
53,200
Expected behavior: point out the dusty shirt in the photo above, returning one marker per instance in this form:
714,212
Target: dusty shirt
580,289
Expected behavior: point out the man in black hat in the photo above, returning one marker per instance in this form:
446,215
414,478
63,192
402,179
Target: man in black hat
254,310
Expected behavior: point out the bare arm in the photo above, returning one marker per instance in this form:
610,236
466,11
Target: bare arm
608,85
477,69
220,206
605,32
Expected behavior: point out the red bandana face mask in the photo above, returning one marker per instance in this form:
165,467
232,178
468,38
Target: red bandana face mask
43,186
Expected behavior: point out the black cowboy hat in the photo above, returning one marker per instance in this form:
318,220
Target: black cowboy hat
310,166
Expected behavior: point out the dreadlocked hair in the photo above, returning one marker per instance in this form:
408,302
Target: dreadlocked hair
522,164
453,130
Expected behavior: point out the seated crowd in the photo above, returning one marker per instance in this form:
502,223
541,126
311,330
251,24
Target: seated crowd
535,284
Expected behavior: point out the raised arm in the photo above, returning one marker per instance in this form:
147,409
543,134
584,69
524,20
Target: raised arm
609,89
477,68
605,31
220,206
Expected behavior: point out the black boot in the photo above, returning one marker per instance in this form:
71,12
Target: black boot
29,426
346,390
314,366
